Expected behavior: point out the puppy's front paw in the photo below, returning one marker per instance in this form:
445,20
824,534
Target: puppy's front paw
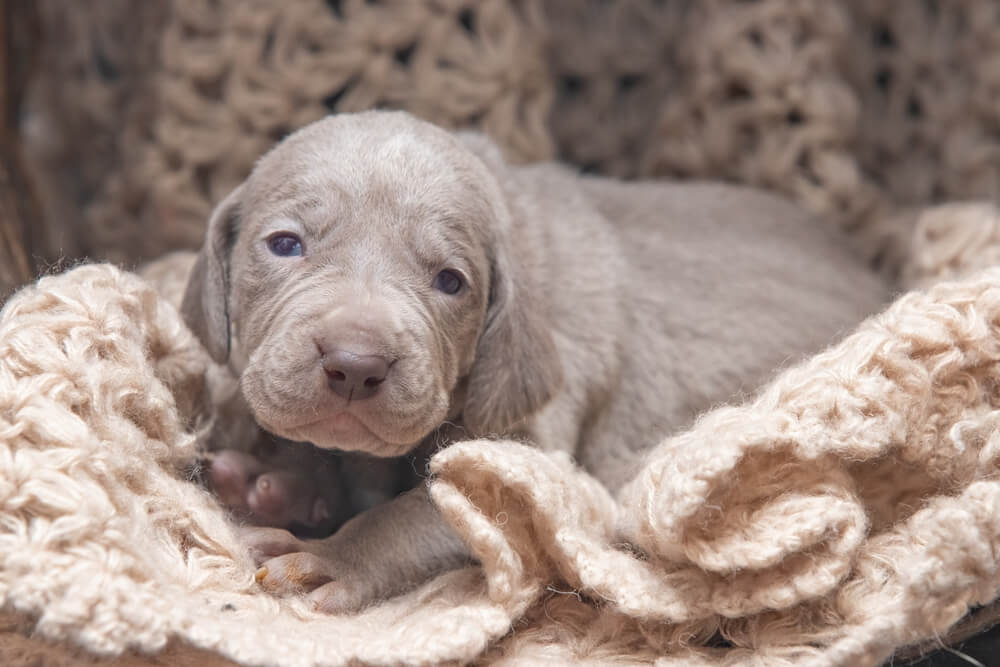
344,596
294,573
332,587
378,554
266,543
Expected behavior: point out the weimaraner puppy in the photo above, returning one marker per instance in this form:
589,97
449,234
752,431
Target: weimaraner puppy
265,480
383,285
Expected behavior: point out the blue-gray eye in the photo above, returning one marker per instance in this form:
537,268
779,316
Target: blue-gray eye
285,244
448,281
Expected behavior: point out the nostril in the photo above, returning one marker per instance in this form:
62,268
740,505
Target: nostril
354,376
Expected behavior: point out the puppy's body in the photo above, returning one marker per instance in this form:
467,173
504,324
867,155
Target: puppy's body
664,299
592,316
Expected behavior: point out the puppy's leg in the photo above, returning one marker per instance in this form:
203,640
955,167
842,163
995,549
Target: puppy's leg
380,553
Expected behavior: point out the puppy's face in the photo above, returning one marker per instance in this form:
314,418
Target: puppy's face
354,270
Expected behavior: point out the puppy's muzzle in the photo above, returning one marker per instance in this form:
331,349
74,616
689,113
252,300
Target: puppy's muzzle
354,376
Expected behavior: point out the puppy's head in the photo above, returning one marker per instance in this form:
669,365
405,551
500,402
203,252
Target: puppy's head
363,282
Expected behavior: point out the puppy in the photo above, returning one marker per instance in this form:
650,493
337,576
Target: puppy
265,480
383,285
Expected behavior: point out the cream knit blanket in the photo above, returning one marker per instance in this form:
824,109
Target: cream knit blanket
852,507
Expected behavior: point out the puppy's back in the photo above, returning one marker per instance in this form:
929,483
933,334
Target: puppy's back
721,248
724,285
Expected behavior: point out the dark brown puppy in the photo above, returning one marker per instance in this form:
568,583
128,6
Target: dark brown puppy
308,492
380,284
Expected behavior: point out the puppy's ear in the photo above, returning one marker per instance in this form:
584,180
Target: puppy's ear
205,307
517,368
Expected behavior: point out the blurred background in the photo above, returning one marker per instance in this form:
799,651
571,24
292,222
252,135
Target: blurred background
128,120
123,121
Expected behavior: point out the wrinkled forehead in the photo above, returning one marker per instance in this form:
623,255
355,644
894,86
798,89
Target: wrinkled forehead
379,168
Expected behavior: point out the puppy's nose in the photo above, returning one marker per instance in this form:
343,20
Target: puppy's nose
354,376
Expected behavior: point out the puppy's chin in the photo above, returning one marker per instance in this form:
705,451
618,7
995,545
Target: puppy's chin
347,433
354,428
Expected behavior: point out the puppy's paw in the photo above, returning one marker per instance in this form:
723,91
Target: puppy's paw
332,587
293,573
343,596
267,543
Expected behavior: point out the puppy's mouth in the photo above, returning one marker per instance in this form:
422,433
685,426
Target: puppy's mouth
342,424
346,431
343,421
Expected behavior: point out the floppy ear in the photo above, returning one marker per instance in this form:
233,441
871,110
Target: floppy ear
205,307
517,368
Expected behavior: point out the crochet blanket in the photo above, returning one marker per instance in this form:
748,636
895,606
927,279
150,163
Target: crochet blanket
851,508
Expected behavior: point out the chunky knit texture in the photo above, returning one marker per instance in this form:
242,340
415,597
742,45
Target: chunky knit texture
203,88
144,115
851,508
848,510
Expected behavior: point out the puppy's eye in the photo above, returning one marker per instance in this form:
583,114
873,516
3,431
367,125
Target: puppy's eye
448,281
285,244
